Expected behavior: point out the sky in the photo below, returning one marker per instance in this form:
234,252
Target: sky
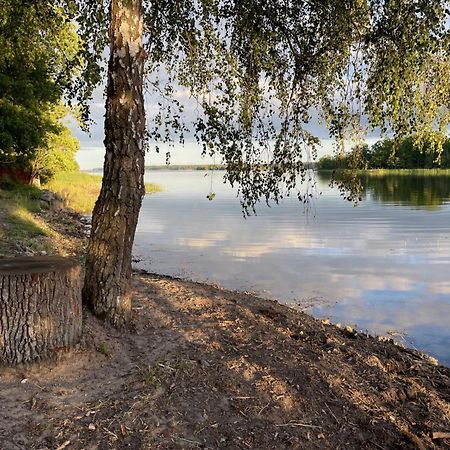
91,153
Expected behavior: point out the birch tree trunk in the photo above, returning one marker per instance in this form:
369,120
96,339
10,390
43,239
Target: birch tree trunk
40,307
108,265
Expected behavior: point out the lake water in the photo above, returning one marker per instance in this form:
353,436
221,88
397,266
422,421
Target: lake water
382,266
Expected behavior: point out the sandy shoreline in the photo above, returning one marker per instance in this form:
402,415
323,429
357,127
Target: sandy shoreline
211,368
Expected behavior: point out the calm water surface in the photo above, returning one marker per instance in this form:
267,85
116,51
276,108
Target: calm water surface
383,266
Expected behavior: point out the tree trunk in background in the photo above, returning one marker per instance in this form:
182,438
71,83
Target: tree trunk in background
40,307
108,265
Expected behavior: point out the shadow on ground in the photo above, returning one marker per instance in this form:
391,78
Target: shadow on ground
208,368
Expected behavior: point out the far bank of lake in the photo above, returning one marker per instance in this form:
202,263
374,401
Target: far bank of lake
382,266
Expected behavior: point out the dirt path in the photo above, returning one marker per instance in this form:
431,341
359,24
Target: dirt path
209,368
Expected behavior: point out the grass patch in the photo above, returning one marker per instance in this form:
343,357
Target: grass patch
22,220
80,190
152,188
103,349
149,376
21,195
20,229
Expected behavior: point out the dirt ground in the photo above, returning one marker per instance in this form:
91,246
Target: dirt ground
209,368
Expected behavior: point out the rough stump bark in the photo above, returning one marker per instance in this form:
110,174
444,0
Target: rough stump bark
40,307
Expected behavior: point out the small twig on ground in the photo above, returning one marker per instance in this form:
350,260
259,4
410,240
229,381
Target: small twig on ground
263,408
331,412
440,435
297,424
190,441
377,445
114,435
167,367
63,445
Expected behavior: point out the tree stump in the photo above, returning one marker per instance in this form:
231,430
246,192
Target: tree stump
40,307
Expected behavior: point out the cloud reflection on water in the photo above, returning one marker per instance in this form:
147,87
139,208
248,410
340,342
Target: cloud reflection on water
385,264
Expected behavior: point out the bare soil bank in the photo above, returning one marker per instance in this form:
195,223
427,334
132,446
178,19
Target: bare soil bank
209,368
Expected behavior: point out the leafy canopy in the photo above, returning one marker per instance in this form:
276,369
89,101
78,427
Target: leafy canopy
58,153
387,154
261,70
39,61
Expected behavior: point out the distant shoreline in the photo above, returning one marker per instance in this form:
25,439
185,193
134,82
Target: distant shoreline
175,167
400,172
206,167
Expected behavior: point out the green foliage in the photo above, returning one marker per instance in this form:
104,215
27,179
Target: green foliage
58,153
38,62
409,67
261,70
327,163
407,153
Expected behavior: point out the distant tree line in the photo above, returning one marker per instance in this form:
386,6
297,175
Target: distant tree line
408,153
206,167
186,167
